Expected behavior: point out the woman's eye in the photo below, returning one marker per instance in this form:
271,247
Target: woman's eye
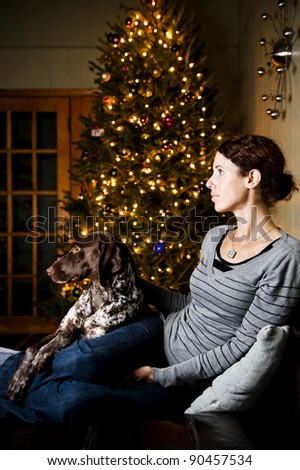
220,171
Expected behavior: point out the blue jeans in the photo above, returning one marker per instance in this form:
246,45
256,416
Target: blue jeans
5,353
85,383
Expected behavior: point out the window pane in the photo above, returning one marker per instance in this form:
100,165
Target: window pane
46,172
46,255
3,297
21,171
3,214
21,130
22,211
22,297
2,172
3,255
22,256
2,130
46,130
47,210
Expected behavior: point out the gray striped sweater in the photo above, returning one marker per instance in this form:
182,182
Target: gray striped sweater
211,328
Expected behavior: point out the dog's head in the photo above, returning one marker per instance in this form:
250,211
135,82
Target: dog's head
98,256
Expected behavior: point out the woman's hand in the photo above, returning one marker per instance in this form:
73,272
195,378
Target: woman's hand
144,374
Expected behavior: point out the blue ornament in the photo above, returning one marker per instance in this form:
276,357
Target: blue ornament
159,247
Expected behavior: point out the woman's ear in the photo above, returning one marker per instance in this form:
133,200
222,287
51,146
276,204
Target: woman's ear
254,178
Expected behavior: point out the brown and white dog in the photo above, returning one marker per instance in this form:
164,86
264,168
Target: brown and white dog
111,300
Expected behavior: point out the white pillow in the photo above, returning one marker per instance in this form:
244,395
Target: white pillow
239,387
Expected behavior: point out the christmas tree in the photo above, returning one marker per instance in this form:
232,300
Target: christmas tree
147,147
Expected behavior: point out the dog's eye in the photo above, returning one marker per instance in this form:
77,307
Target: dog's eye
75,249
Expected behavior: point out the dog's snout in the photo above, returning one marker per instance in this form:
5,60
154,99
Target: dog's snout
49,270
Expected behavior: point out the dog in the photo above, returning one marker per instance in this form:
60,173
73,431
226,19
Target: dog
112,299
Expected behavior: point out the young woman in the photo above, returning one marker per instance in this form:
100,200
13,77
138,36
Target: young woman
248,277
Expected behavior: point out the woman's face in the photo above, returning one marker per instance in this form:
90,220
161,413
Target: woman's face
229,191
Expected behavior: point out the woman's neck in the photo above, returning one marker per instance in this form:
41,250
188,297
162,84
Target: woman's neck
255,223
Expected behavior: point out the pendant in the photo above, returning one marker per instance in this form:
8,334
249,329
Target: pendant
231,254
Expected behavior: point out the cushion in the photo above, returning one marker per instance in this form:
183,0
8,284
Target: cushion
239,387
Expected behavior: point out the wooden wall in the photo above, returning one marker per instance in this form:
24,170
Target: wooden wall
284,130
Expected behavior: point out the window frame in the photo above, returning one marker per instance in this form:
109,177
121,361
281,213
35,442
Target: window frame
69,105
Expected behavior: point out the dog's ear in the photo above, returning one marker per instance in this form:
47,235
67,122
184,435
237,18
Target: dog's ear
112,260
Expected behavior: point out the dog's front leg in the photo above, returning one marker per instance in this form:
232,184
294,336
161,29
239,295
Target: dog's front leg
36,359
26,371
37,356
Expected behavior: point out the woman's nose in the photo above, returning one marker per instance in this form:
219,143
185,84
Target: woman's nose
209,183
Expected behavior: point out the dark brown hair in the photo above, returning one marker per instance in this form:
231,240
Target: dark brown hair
249,152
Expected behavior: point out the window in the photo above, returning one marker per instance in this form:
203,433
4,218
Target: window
35,156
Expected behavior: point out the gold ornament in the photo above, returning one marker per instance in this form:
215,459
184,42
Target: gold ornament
156,73
105,76
148,93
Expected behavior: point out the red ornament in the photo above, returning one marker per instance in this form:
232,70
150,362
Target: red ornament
108,100
168,120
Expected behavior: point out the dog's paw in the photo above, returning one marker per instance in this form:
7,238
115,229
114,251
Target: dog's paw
16,389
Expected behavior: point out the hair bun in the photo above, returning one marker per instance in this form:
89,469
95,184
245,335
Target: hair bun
287,186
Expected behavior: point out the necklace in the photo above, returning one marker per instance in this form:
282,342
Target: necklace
232,253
